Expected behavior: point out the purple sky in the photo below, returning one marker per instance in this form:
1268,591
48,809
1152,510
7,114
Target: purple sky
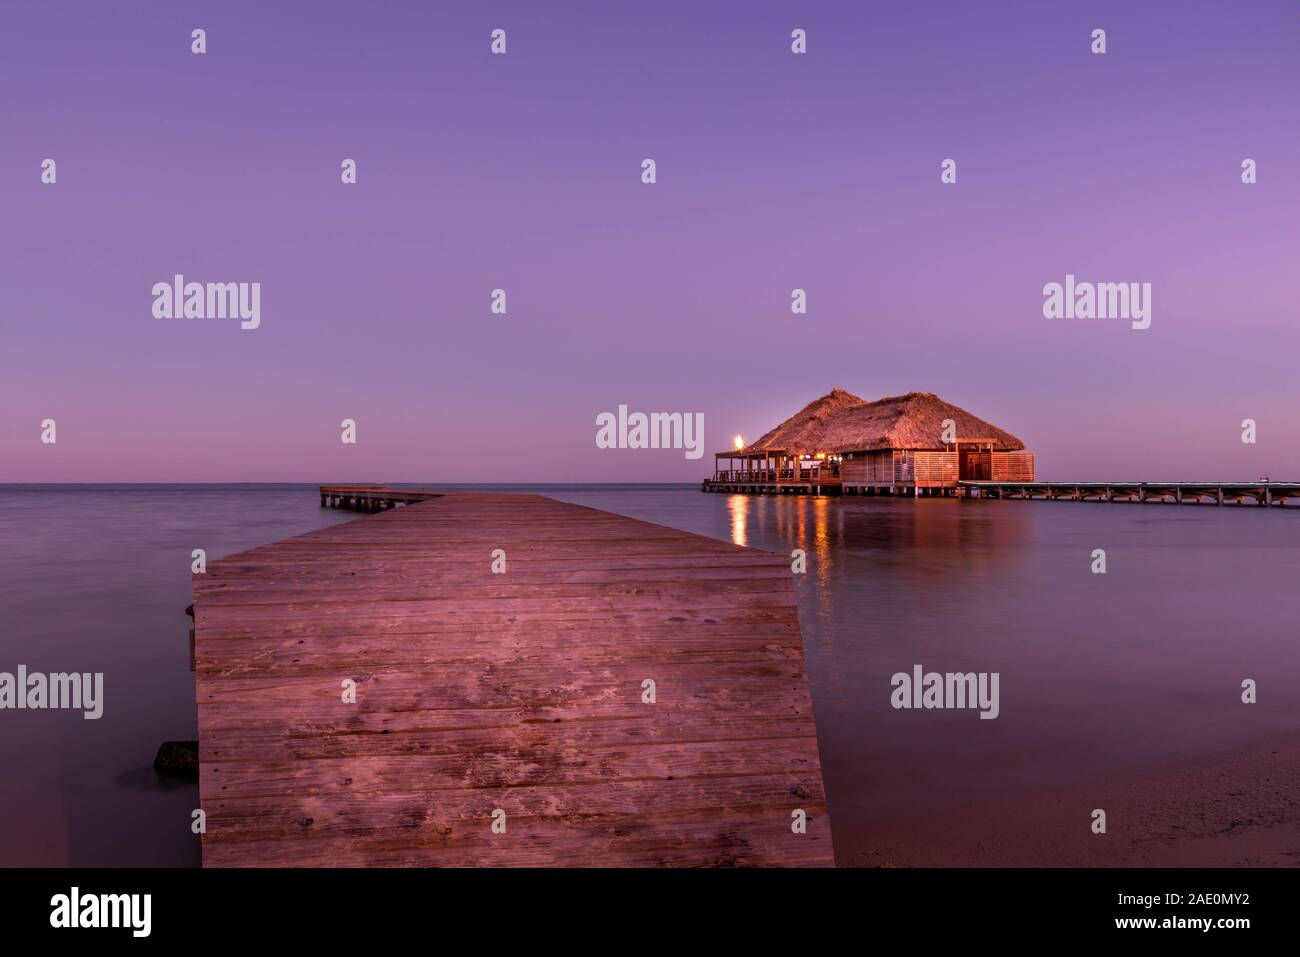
522,171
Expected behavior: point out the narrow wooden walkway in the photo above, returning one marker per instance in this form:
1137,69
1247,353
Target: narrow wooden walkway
519,692
1263,493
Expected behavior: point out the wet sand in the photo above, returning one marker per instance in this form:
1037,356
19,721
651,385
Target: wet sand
1238,809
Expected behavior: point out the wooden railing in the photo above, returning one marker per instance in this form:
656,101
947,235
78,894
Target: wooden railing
818,473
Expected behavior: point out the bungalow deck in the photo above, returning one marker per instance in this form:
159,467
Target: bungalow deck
512,699
772,486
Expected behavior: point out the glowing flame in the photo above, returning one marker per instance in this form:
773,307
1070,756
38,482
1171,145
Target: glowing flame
738,441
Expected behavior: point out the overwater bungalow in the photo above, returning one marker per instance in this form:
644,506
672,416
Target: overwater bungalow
914,444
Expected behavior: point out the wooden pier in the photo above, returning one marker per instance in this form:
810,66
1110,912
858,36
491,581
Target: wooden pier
371,498
1176,493
503,718
1170,493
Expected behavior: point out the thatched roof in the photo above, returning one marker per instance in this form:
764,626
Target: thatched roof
809,428
842,422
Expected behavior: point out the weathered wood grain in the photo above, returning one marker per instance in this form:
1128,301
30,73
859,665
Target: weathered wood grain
519,691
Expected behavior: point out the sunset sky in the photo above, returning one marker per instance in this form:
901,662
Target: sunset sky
522,171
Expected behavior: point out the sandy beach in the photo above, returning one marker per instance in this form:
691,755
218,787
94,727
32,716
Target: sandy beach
1238,809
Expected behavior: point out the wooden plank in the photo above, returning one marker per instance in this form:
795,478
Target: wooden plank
519,692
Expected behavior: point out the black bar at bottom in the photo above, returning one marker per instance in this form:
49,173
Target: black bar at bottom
644,908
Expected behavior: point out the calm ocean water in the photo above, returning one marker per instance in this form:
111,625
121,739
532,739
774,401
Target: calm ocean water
1101,675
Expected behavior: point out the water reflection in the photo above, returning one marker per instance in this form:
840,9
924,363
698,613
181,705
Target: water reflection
738,509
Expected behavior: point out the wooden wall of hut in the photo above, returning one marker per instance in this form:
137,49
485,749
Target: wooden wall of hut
869,468
1013,467
975,465
936,469
890,468
886,468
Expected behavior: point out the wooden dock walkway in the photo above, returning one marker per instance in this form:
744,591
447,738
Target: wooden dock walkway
479,693
1273,494
1177,493
372,498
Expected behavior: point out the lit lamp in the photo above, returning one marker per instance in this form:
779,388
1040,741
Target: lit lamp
738,441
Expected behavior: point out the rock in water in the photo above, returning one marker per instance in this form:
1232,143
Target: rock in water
178,759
